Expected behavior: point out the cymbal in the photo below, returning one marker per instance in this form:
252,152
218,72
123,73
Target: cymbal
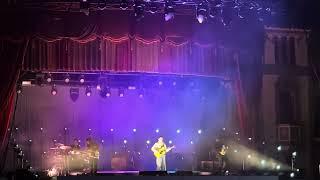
54,148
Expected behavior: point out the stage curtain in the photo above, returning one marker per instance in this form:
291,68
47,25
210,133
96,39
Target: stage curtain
11,57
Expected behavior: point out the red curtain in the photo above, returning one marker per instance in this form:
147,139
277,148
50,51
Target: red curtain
11,57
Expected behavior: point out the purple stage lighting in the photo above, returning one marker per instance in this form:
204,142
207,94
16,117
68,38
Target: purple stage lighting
160,83
199,131
170,142
54,90
134,130
174,83
148,141
67,78
125,141
178,131
49,78
168,11
88,91
98,87
157,130
111,129
82,79
121,93
201,13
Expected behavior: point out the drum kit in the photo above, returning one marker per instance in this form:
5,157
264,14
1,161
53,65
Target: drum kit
64,160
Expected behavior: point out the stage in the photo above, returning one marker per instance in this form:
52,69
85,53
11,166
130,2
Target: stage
170,177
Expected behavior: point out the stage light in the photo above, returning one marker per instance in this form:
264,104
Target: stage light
263,162
191,142
292,175
99,87
30,140
294,154
26,83
178,131
125,141
278,167
235,151
263,142
41,129
153,8
88,91
54,90
174,83
19,88
237,133
134,130
67,78
89,129
108,92
132,88
141,93
65,129
201,13
157,130
223,129
168,11
148,141
121,92
138,10
82,79
111,129
102,141
124,5
49,78
170,142
250,139
298,170
199,131
279,148
249,156
160,83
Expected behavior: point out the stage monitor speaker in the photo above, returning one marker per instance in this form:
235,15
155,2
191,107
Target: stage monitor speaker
153,173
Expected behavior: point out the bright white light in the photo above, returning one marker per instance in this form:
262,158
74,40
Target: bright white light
98,87
298,170
292,175
125,141
139,153
263,162
148,141
49,79
200,18
224,129
279,148
157,130
249,138
191,142
278,167
66,80
178,131
89,129
199,131
111,129
88,93
41,129
134,130
294,154
121,95
235,151
249,156
67,129
81,80
102,141
132,87
170,142
160,83
26,83
108,94
237,133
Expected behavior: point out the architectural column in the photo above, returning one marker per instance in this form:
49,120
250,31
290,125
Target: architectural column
269,107
301,51
269,50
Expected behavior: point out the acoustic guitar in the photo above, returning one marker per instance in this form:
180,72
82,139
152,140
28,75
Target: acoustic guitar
162,151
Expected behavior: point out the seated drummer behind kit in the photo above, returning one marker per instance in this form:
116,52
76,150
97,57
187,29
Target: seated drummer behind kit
93,151
76,145
160,149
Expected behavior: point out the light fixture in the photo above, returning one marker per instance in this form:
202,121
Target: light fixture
108,92
263,162
88,91
168,11
141,93
148,142
160,83
157,130
178,131
134,130
49,78
249,156
138,10
98,87
294,154
19,88
67,78
125,141
279,148
202,12
82,79
199,131
292,175
111,129
121,92
153,8
124,4
170,142
278,167
54,90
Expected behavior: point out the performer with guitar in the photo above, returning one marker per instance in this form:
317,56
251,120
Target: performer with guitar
160,149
